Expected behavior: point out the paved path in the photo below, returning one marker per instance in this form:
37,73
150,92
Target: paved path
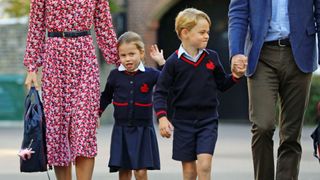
232,160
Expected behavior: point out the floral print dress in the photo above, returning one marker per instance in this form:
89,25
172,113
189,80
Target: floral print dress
70,73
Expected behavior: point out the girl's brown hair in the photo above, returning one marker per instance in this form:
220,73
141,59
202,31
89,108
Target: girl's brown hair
131,37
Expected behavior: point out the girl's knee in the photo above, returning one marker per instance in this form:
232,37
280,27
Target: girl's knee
189,175
125,174
141,174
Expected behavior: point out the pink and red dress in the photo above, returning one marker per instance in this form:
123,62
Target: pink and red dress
70,73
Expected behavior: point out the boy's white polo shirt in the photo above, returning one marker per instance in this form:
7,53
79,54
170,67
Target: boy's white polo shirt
182,51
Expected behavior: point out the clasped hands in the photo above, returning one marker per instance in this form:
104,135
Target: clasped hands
239,64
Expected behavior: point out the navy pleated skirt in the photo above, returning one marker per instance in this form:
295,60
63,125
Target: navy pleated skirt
133,148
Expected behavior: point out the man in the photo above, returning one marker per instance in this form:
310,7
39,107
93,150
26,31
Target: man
279,38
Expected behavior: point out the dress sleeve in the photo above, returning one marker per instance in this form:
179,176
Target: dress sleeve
106,37
36,36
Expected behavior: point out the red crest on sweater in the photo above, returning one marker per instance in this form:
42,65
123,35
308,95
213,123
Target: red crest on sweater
210,65
144,88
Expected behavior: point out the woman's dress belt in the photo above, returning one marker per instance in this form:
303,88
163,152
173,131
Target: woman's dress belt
69,34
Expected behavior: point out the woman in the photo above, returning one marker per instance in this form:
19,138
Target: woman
70,80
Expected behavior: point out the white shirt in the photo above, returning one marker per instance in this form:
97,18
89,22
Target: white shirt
140,67
194,59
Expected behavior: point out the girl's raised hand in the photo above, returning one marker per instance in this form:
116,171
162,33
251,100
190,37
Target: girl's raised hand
157,55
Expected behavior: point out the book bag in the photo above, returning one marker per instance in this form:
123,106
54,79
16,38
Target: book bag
34,134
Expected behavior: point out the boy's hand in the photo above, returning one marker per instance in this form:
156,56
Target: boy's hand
165,127
239,64
157,55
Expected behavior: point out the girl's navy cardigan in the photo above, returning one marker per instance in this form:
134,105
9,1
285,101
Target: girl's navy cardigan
131,95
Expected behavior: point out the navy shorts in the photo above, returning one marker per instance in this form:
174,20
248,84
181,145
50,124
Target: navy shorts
193,137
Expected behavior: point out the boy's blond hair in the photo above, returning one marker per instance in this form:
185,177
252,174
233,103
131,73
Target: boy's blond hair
189,18
131,37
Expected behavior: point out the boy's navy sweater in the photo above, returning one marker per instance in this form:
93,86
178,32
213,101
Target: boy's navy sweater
194,86
131,94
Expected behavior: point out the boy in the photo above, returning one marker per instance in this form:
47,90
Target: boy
194,74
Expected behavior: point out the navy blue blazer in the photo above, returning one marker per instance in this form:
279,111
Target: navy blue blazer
248,26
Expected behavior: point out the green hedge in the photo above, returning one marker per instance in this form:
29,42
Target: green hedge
310,116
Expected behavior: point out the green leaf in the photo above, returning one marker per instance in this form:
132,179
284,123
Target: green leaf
17,8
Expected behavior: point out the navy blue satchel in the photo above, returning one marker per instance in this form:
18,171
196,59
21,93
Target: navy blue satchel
34,134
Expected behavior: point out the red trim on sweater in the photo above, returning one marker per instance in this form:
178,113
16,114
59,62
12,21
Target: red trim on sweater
235,79
195,64
120,104
142,104
137,104
161,112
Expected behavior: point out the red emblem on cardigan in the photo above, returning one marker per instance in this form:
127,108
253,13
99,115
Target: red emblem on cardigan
144,88
210,65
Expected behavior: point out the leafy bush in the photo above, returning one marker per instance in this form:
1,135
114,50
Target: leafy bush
310,116
17,8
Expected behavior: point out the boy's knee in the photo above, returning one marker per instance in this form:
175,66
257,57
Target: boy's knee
189,170
204,167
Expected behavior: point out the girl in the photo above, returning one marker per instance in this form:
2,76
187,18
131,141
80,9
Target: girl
134,144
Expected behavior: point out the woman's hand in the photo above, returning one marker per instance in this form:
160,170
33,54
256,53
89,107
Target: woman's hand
31,79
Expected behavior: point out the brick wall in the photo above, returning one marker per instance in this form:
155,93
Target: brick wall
143,18
12,45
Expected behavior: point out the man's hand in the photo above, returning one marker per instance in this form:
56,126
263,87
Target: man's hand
239,64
